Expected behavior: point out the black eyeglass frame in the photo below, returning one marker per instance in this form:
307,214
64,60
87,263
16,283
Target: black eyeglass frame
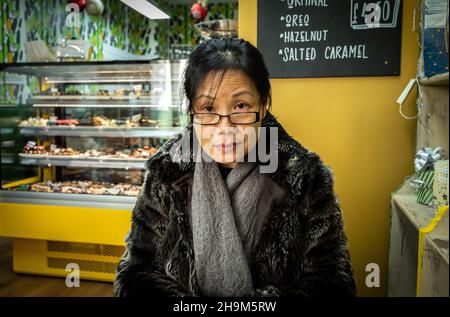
220,116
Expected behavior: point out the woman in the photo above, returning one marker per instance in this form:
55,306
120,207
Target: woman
216,224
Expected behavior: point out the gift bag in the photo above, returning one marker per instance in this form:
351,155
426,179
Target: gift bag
424,164
440,184
424,189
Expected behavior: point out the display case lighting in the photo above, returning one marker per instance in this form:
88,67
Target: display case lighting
147,8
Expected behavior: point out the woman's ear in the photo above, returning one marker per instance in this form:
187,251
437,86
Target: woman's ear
264,111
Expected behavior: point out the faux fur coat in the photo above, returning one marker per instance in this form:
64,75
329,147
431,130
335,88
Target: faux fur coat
302,249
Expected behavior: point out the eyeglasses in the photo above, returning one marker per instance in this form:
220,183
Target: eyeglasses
212,118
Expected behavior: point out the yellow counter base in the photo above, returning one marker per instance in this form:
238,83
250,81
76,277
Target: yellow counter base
64,223
48,237
47,257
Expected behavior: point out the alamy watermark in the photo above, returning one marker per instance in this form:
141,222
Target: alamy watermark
373,278
73,278
73,17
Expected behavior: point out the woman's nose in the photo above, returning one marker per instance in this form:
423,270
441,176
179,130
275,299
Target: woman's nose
225,122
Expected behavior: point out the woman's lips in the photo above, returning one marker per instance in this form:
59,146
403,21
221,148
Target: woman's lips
227,146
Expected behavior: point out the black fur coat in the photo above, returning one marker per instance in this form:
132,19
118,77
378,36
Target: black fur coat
302,250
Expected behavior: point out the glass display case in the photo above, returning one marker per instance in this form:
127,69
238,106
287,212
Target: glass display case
74,141
79,134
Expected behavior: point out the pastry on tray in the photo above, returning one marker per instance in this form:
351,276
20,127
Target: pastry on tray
41,122
132,153
69,122
73,92
32,148
102,92
86,187
50,92
147,122
34,122
122,92
99,121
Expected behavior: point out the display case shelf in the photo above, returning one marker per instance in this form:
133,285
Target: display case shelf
107,105
76,161
81,69
7,160
101,80
96,72
80,131
6,130
37,99
61,199
106,80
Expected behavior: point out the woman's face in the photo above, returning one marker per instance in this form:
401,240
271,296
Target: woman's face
227,142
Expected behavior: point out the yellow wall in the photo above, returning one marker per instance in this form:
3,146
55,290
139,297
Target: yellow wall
355,126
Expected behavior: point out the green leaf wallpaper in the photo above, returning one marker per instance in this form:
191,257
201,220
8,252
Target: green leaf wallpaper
119,26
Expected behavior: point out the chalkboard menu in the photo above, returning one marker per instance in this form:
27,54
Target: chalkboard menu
330,38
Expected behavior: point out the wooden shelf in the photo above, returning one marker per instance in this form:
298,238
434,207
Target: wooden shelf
438,80
407,218
420,215
435,261
440,244
438,238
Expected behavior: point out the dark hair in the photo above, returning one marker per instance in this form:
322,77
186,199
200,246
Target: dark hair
222,55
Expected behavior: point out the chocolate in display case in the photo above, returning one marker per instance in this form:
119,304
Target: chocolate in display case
84,129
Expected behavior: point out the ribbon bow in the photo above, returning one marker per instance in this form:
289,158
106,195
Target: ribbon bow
426,157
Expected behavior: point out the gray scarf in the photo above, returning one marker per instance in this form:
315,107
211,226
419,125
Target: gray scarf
223,216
